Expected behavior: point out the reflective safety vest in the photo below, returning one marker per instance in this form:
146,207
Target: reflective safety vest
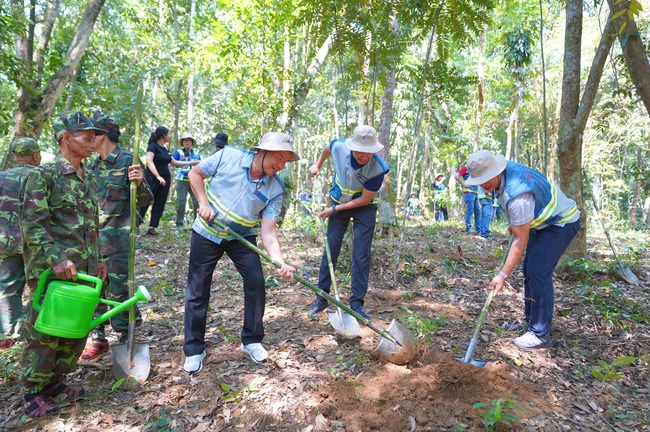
347,183
471,189
239,201
185,156
551,205
483,195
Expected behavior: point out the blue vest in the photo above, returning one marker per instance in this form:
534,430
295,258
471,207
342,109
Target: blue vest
347,183
520,179
183,171
238,200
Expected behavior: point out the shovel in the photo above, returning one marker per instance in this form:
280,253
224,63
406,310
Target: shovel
624,271
397,346
131,360
342,322
472,343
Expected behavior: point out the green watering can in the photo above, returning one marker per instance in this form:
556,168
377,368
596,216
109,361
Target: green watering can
68,307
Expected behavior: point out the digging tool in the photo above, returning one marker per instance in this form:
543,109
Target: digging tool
131,360
472,343
624,271
397,346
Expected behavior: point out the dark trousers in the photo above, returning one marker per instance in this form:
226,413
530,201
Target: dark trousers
160,194
545,247
204,255
364,227
441,213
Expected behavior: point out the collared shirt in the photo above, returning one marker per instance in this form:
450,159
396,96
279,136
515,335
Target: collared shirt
229,181
11,182
113,192
60,218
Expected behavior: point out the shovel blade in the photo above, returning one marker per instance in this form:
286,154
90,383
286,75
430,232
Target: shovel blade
138,366
628,275
346,326
474,362
393,352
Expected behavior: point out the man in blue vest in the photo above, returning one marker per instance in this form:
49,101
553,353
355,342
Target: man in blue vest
470,196
543,221
184,159
358,174
244,192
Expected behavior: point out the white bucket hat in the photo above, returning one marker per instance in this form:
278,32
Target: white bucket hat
484,166
277,141
364,139
186,135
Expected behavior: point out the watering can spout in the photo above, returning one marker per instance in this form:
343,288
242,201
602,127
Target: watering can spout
141,295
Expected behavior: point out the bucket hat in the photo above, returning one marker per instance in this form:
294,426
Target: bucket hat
220,140
277,141
364,139
72,123
184,136
484,166
24,146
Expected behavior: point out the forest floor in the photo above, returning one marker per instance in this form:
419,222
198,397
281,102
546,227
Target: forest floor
317,380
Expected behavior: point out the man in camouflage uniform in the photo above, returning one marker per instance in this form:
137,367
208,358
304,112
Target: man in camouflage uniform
60,229
27,154
113,170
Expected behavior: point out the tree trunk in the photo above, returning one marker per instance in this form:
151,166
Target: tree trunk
286,102
302,89
633,50
190,82
29,119
637,185
479,89
574,111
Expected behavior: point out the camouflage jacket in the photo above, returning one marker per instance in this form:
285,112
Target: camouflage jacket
10,184
60,218
114,204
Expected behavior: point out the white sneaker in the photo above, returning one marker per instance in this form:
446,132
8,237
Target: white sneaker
256,351
194,364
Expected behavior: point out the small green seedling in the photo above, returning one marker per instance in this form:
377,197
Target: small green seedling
605,371
499,413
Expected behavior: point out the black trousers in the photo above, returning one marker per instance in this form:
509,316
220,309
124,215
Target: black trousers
160,194
204,255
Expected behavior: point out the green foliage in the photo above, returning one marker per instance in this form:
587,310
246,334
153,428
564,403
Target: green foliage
501,412
236,395
424,328
611,307
582,269
354,363
605,371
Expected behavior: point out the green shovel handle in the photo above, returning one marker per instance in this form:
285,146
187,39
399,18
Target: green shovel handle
303,281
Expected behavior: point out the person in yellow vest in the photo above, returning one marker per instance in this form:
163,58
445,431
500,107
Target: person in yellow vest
543,222
358,175
470,196
241,189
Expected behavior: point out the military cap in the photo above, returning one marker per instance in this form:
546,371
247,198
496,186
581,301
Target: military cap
74,123
105,122
24,146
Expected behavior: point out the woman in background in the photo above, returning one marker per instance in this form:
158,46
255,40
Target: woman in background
157,176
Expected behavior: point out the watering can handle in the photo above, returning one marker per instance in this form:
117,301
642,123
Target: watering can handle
36,301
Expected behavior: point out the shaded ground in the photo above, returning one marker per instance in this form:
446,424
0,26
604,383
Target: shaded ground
316,380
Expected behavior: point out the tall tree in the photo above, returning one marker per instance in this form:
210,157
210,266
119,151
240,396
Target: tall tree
574,111
35,105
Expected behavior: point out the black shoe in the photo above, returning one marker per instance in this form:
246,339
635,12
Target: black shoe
152,232
319,305
362,312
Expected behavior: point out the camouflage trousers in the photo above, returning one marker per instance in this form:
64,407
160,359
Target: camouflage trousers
12,285
116,289
46,359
